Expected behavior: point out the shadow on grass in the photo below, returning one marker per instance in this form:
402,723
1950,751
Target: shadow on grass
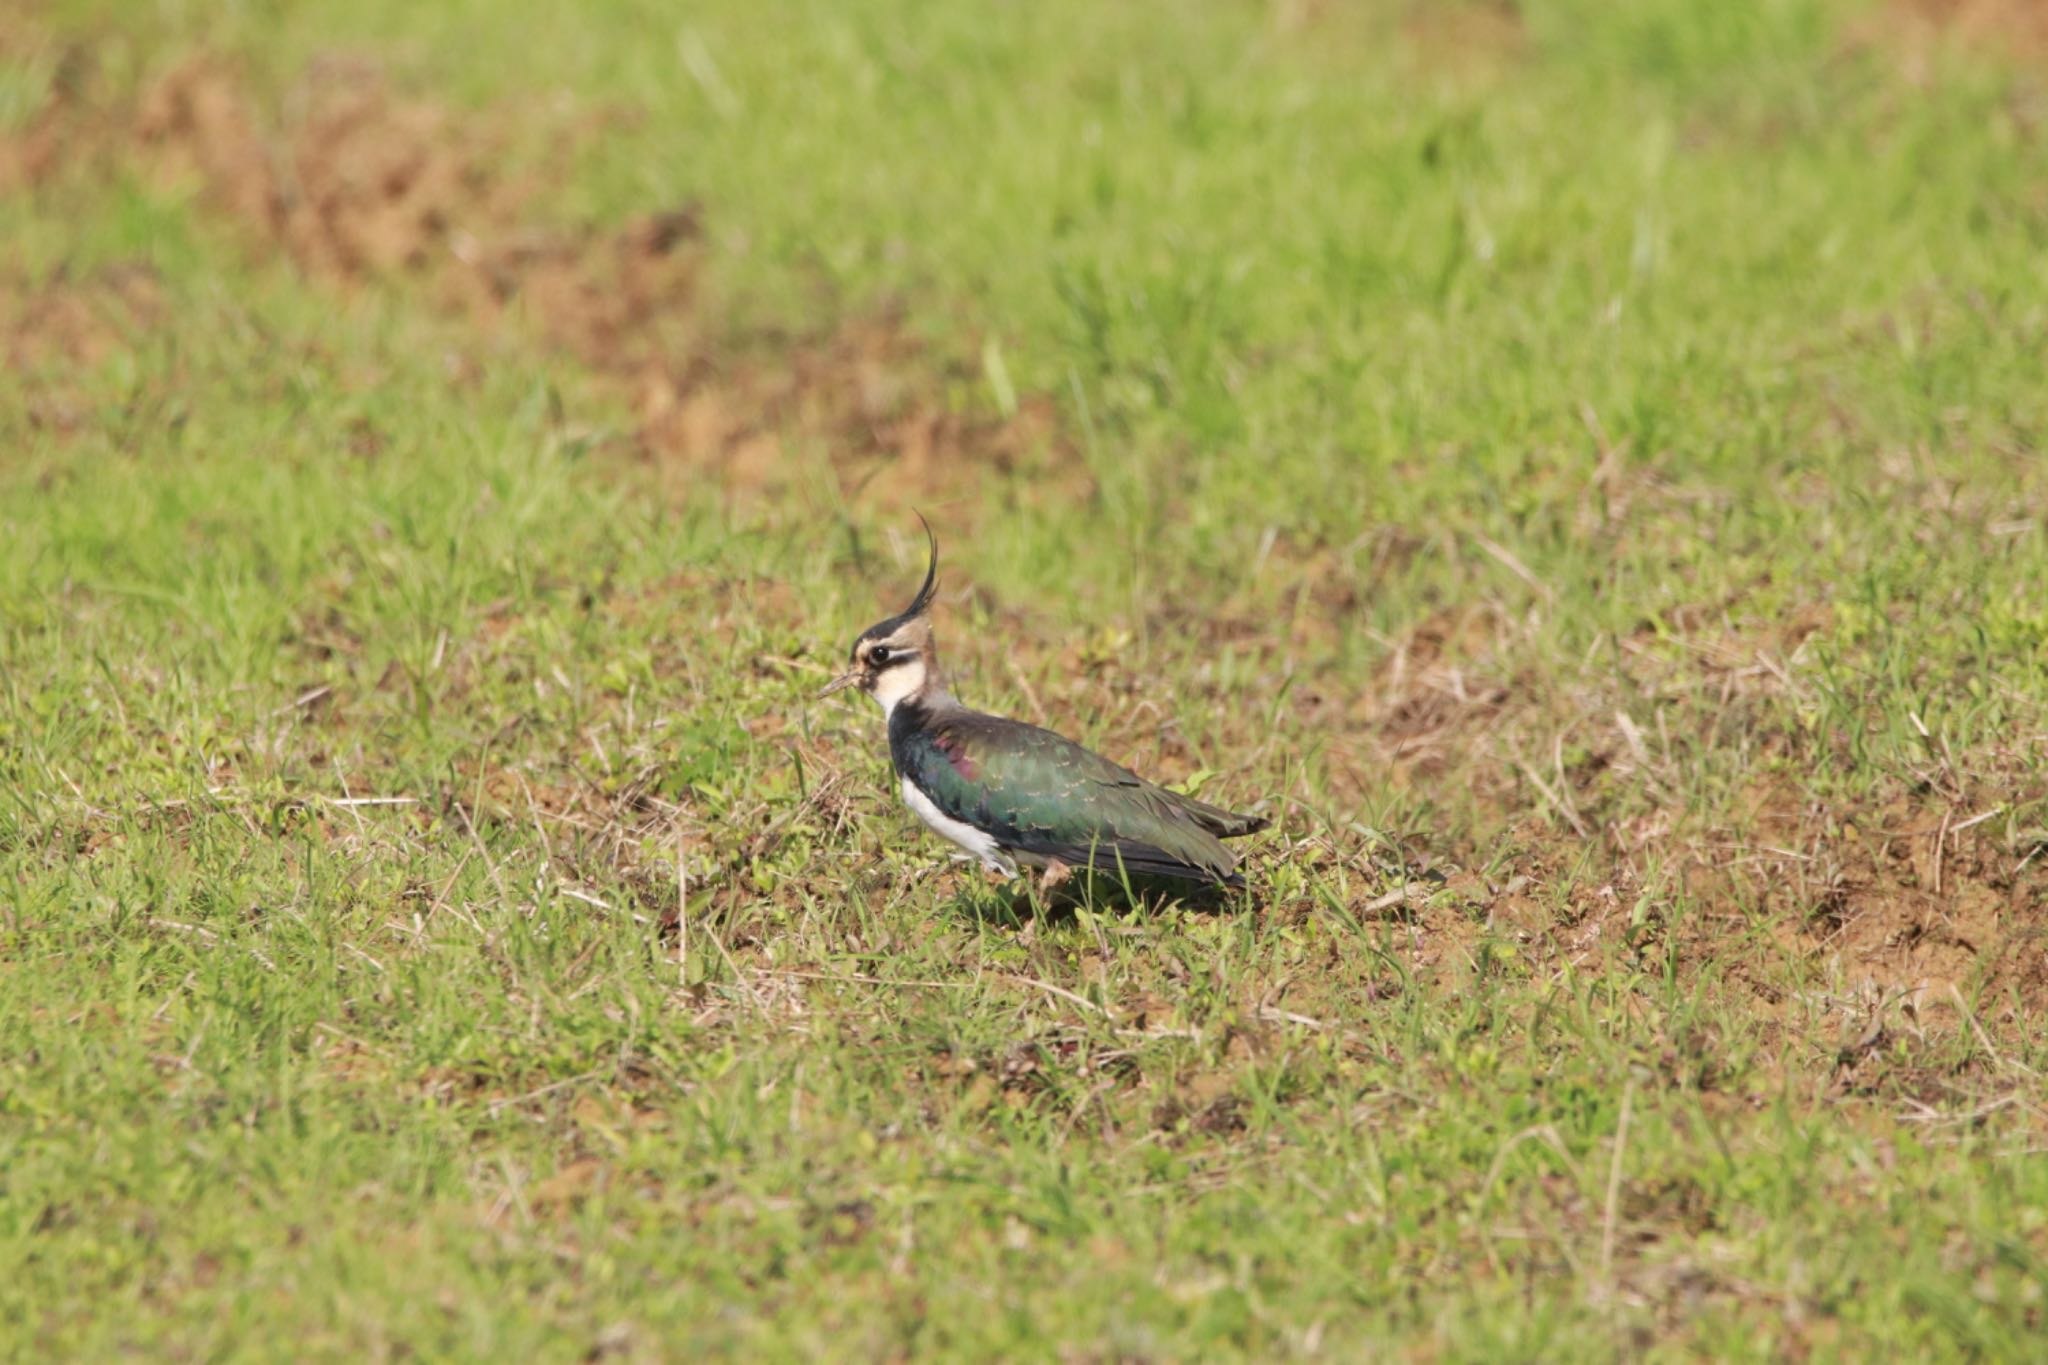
1013,904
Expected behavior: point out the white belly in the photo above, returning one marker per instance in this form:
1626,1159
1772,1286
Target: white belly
967,836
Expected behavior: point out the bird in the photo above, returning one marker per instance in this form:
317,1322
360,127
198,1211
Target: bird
1016,795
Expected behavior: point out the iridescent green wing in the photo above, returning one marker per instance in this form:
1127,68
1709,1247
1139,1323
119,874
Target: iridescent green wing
1040,793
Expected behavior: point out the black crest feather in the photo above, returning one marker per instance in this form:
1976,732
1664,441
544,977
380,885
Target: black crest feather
931,576
882,630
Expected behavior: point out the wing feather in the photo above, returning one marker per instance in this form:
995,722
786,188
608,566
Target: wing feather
1038,792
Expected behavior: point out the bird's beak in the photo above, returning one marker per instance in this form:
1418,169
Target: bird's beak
844,680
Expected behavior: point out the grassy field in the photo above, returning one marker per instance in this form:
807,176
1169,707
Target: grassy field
1578,467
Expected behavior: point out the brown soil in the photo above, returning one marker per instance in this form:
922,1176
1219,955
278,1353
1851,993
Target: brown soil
77,322
358,186
1898,901
1469,35
2016,30
1910,899
58,329
1459,40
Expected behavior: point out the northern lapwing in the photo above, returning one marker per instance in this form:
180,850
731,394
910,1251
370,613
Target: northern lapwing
1011,793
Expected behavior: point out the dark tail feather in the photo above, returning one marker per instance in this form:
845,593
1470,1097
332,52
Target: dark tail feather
1224,824
1110,860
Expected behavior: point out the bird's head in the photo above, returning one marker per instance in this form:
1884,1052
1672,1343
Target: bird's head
897,658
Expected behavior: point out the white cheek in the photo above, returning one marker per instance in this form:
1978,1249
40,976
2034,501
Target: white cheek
895,684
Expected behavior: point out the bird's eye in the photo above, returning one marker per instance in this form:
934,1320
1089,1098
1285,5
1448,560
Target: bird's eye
879,655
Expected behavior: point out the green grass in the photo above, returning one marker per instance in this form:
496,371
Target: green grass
1589,474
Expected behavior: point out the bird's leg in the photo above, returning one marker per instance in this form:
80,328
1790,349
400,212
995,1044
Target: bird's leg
1055,875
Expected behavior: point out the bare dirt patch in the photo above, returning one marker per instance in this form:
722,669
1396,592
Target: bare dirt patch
1473,37
48,72
359,185
2015,30
356,184
1915,903
1597,833
81,321
58,330
1460,40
